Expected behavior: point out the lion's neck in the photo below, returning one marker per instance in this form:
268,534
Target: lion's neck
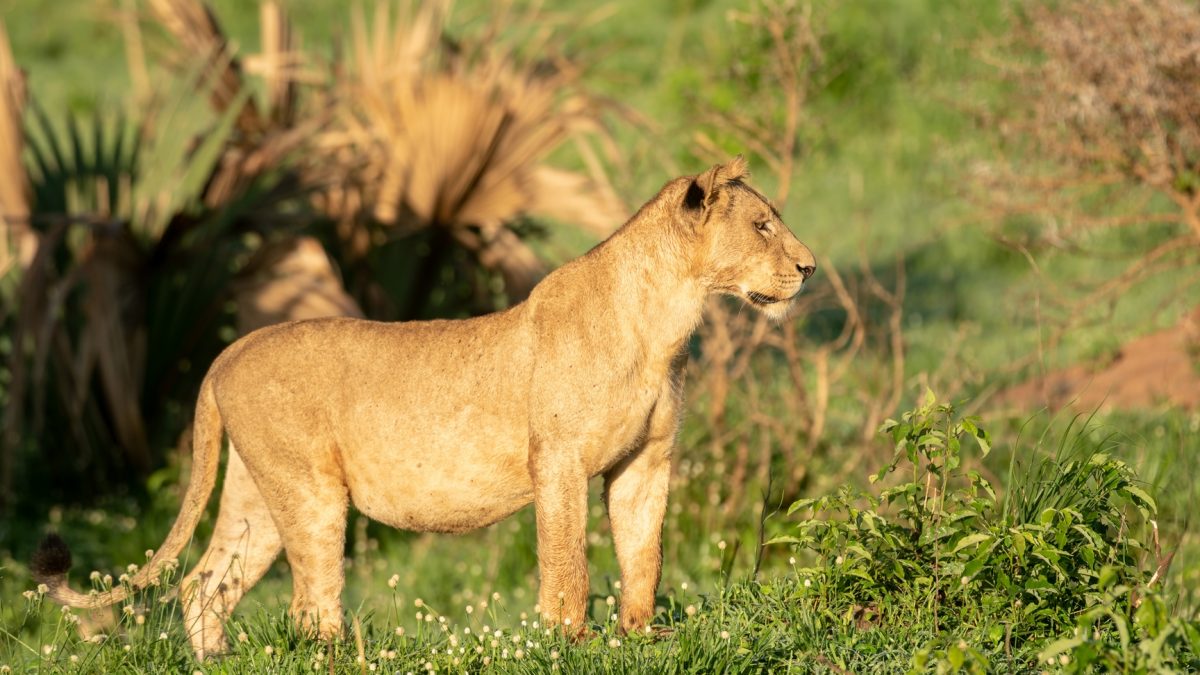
657,294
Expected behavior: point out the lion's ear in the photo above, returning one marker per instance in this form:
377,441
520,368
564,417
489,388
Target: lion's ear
736,169
704,188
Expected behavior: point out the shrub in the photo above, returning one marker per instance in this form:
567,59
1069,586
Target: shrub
1055,556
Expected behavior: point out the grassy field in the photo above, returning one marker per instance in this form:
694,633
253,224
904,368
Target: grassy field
890,138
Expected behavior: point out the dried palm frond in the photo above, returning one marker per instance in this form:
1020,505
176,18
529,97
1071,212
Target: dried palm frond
278,64
428,136
262,142
198,35
17,243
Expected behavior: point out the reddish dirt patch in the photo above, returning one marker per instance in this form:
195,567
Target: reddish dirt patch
1151,371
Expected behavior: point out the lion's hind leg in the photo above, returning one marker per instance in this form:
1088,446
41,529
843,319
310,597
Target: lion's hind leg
245,542
306,493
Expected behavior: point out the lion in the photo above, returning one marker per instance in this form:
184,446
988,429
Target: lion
452,425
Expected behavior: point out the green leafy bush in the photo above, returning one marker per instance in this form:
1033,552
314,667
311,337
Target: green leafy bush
1055,556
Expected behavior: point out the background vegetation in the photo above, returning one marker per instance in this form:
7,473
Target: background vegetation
173,180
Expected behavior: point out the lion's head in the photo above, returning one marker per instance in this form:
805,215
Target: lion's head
745,249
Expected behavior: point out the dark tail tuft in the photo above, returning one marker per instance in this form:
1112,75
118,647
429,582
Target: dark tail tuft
52,557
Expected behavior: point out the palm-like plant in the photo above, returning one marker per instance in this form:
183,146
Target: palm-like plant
449,139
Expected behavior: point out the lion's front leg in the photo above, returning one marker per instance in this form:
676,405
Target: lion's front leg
560,504
635,492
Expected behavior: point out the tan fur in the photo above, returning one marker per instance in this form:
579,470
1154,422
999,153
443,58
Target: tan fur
447,426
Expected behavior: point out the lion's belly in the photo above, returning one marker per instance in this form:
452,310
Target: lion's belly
464,472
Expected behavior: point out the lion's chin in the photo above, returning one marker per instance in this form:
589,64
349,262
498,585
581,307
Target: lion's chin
778,312
775,309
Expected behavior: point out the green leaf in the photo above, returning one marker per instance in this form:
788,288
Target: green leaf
981,482
971,425
878,475
861,574
971,540
1038,584
1018,544
782,539
972,568
860,551
1059,646
1141,497
955,656
1046,517
1151,615
1108,577
801,504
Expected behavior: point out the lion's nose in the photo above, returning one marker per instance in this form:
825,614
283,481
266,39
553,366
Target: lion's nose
806,271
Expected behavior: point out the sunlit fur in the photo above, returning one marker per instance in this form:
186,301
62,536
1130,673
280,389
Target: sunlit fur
447,426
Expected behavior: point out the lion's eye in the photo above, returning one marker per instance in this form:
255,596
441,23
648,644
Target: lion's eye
762,226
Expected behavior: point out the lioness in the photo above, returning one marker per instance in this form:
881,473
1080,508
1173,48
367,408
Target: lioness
447,426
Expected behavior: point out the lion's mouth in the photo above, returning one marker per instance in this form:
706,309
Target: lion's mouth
762,299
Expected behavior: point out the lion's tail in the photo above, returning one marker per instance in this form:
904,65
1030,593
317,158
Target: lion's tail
52,558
